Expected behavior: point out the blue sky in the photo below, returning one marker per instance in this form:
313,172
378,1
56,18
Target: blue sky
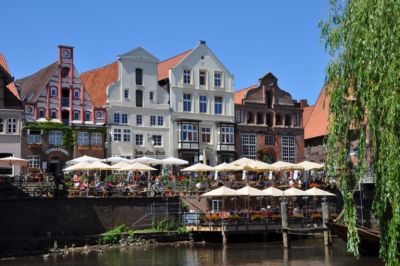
251,38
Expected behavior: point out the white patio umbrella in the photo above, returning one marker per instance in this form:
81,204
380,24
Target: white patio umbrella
318,192
273,192
84,158
137,167
225,167
115,159
307,165
78,166
199,167
294,192
11,160
285,166
261,166
173,161
119,165
220,192
147,160
242,161
97,165
249,191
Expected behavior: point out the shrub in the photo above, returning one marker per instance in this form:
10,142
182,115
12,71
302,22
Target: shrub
114,235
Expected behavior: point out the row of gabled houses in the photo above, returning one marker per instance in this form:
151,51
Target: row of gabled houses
185,106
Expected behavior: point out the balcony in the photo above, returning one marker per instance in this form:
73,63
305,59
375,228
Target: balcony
65,101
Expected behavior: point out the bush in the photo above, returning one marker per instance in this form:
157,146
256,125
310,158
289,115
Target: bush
114,235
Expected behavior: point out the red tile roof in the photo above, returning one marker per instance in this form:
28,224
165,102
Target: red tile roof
165,65
11,87
307,113
97,80
317,124
35,82
240,94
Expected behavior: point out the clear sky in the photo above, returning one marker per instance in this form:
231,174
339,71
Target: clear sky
251,38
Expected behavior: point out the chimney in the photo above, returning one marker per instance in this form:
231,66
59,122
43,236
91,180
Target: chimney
303,103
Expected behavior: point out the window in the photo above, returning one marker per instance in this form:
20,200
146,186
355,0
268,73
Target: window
288,120
117,118
87,116
269,120
249,146
139,139
206,135
12,125
117,134
218,105
99,115
152,120
227,135
126,94
55,137
34,137
64,72
127,135
76,115
160,120
139,120
151,96
297,120
139,76
260,118
288,149
83,138
76,93
139,98
157,140
250,118
1,125
202,77
203,104
53,114
34,161
269,140
186,76
217,79
42,113
187,102
278,120
53,91
189,133
124,118
96,139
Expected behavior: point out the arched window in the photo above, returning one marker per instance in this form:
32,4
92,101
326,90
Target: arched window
139,98
278,120
288,120
250,118
269,120
99,115
53,113
260,119
87,116
42,113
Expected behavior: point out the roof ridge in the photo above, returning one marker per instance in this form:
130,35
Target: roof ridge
176,55
46,67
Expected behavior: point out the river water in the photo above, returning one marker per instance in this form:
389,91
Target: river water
302,252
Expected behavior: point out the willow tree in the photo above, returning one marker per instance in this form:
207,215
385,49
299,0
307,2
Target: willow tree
363,83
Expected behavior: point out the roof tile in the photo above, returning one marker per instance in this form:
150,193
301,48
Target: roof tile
164,66
240,94
317,124
11,87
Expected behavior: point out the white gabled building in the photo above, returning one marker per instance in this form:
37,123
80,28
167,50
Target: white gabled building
138,113
202,104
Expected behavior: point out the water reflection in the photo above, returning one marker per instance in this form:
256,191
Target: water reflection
305,252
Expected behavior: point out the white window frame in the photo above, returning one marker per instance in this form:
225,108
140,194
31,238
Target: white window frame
187,102
158,140
76,115
126,135
152,120
53,91
34,161
203,74
117,118
83,138
139,120
151,96
188,133
124,118
139,139
117,134
249,142
205,134
227,135
11,125
202,102
126,93
218,79
96,139
160,120
55,137
187,76
34,138
77,93
218,105
288,147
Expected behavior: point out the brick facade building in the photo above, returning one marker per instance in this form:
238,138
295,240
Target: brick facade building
269,123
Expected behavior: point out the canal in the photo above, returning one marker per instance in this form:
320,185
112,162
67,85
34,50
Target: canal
303,252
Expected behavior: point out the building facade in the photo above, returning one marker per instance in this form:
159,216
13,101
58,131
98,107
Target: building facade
201,100
61,120
269,123
11,116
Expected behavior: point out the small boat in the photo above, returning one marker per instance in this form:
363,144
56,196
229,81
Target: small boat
369,238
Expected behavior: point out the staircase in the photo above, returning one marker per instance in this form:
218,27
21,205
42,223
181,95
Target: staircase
195,203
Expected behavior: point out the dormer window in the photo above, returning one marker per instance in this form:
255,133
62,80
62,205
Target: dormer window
186,76
202,77
76,93
53,91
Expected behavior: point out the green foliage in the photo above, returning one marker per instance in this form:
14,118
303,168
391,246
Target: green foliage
114,235
363,83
